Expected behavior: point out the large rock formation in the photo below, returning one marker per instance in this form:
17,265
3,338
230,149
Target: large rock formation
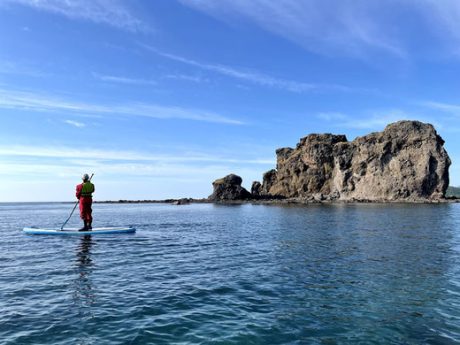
229,188
407,161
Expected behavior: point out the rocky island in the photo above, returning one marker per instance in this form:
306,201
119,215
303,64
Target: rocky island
405,162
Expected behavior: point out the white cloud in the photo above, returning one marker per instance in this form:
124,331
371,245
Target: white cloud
20,68
346,26
374,119
445,15
192,78
92,155
149,176
169,170
110,12
252,76
75,123
359,28
378,120
44,103
123,80
32,182
331,116
445,107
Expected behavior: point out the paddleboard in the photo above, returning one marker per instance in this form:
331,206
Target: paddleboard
74,231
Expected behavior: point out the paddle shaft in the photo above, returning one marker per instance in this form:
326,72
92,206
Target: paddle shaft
71,213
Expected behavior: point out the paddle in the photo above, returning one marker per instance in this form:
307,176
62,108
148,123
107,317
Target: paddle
71,213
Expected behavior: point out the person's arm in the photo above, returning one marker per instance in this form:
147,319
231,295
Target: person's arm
78,192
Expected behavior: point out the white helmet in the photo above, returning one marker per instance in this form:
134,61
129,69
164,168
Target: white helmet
85,177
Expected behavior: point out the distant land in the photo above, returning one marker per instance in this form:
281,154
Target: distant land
453,192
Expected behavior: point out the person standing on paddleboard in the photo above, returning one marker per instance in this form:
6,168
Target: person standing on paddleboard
84,194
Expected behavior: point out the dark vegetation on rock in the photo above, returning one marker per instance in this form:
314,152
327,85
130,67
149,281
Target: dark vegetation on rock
405,162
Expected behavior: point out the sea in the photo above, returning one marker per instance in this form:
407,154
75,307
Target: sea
233,274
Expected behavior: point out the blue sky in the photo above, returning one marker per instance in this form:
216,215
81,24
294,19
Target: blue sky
159,98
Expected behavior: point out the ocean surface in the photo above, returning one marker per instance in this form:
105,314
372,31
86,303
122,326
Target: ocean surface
247,274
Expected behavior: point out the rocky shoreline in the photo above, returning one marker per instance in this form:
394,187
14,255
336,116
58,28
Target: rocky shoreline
181,201
288,201
297,201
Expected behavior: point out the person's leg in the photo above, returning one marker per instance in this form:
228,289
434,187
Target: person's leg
83,215
89,215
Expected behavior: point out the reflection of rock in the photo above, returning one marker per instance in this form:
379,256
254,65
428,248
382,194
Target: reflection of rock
407,161
229,188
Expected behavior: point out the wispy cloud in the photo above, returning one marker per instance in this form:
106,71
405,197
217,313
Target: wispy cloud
170,172
444,19
359,28
112,12
20,68
75,123
377,120
331,116
186,77
453,109
63,152
330,27
177,174
44,103
146,180
251,76
373,119
129,170
123,80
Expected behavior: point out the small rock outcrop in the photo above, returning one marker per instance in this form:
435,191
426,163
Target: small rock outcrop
407,161
256,189
229,188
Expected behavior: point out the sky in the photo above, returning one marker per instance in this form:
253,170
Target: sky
160,98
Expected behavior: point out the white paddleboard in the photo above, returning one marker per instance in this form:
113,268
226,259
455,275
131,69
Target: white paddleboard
74,231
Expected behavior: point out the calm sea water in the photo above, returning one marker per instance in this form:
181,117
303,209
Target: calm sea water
207,274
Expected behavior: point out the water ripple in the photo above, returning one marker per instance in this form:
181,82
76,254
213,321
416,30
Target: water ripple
204,274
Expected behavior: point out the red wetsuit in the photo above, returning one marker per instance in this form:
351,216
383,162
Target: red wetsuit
86,200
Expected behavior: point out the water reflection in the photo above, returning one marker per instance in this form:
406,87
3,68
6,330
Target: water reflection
338,274
83,294
381,264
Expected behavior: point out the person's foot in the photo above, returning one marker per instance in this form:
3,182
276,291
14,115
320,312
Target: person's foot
85,227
